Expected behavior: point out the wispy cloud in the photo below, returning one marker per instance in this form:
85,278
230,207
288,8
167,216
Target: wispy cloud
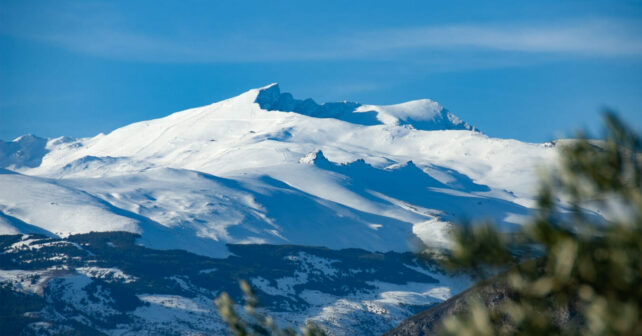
101,32
594,37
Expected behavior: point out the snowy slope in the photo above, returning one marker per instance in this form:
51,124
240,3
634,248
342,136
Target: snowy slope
55,208
25,151
264,167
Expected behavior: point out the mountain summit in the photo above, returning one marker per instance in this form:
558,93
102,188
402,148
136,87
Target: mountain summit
423,114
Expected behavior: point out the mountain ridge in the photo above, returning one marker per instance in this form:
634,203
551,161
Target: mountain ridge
221,173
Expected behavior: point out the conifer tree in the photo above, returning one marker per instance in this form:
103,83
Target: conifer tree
576,267
253,323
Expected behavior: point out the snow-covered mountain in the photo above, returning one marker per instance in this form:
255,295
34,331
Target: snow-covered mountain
264,167
260,168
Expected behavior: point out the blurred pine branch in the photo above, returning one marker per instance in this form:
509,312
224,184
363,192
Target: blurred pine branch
582,271
253,323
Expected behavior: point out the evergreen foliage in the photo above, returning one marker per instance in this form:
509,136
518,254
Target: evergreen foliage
570,271
254,323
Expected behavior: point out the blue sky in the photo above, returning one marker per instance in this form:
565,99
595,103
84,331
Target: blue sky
526,70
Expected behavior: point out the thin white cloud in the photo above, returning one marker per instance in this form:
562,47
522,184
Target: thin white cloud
588,37
104,33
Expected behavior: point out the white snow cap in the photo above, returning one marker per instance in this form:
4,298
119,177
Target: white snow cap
423,114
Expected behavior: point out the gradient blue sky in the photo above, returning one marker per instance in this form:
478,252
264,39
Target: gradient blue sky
531,71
